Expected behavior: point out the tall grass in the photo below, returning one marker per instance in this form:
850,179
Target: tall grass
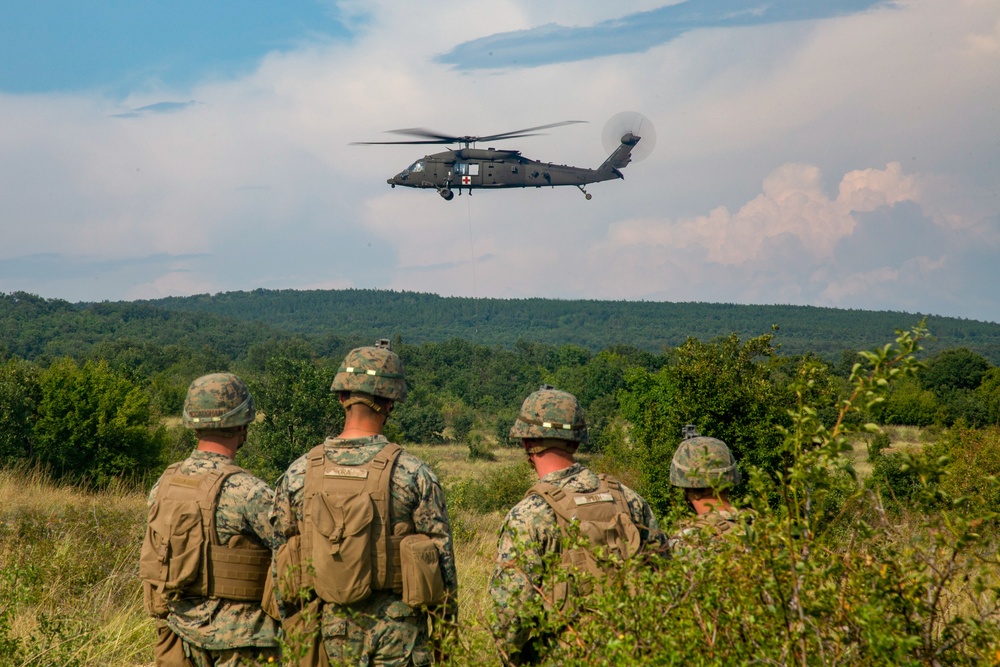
69,594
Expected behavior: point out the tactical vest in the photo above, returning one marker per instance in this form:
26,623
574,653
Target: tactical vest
604,519
181,553
345,530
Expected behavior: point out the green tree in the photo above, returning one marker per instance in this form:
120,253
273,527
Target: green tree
296,413
19,396
908,403
988,392
722,387
959,368
94,425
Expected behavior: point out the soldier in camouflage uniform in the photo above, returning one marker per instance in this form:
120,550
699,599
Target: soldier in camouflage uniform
551,427
379,629
704,467
215,630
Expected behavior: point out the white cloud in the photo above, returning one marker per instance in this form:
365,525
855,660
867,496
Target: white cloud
774,144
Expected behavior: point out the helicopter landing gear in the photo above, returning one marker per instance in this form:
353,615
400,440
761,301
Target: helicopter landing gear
446,194
585,193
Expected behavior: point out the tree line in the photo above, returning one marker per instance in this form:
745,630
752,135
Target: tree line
228,323
111,409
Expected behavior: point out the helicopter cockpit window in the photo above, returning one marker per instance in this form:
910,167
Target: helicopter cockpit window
467,168
416,167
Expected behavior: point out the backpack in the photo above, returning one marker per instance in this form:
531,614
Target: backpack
181,553
604,520
346,532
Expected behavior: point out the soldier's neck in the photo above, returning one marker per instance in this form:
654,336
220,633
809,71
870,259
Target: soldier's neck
361,422
224,446
550,461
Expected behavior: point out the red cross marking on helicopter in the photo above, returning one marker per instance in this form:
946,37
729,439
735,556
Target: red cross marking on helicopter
466,180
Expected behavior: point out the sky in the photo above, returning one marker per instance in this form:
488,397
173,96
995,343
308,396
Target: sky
843,153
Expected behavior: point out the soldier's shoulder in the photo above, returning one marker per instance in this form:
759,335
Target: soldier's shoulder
245,482
532,510
413,467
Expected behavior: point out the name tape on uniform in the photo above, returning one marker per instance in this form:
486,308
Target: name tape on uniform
591,498
354,473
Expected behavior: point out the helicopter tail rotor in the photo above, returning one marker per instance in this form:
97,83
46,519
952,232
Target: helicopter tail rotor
634,123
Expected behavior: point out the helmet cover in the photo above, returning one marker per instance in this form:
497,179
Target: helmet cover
701,462
219,400
553,415
376,371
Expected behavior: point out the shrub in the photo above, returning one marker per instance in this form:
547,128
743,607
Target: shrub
94,425
479,449
720,387
794,592
876,444
499,489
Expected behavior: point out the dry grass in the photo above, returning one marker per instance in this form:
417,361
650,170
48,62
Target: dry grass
901,439
53,565
68,573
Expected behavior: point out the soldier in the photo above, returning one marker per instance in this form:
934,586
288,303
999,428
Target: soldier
207,551
367,553
551,427
704,467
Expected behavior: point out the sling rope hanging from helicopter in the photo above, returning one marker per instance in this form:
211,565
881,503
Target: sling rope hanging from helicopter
475,289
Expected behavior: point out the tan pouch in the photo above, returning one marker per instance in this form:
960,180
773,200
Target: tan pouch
153,600
305,638
268,602
288,562
172,549
341,553
169,649
422,581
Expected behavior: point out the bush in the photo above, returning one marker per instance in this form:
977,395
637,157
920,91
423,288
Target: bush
792,591
479,449
876,444
93,425
722,388
498,490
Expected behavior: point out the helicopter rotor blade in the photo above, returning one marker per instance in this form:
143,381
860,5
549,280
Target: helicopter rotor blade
520,133
427,134
432,137
396,143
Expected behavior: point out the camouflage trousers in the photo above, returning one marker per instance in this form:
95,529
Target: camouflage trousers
172,651
381,631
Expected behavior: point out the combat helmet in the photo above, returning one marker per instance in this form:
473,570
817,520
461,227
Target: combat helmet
219,400
701,462
375,370
554,416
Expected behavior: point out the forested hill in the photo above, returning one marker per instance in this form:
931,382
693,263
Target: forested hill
419,317
229,323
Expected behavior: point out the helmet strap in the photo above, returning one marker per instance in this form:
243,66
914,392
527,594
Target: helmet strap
364,399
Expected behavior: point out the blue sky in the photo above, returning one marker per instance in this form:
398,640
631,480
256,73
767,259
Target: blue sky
842,153
117,46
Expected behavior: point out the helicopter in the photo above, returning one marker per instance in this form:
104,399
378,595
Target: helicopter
469,168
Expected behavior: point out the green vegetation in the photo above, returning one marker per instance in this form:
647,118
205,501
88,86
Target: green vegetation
894,566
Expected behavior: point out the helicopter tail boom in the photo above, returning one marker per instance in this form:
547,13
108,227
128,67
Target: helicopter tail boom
620,158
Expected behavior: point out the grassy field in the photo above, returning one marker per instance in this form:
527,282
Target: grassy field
69,589
901,438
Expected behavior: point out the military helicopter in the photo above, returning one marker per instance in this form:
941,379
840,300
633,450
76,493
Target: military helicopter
469,167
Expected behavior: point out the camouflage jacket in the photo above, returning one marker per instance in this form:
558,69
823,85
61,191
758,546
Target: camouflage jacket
529,532
416,497
715,525
212,623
